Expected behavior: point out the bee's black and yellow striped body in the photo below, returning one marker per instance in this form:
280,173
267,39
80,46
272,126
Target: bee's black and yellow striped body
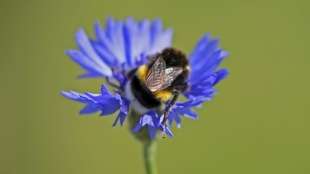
144,99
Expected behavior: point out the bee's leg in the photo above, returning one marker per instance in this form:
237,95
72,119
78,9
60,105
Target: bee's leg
112,83
169,106
182,86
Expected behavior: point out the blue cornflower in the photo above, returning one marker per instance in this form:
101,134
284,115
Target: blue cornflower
121,47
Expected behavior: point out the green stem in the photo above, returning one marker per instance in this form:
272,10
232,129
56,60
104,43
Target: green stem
149,151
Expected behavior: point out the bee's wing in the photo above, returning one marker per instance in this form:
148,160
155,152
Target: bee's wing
170,75
156,75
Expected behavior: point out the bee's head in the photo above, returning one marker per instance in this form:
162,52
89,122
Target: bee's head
174,57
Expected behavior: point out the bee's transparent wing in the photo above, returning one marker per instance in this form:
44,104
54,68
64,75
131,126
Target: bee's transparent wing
156,75
170,75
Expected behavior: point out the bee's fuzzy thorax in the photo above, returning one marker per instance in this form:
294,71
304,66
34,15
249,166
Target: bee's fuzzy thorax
174,57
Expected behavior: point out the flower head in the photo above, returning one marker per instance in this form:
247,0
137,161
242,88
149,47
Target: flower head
120,48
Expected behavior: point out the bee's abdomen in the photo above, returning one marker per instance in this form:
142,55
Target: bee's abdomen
143,95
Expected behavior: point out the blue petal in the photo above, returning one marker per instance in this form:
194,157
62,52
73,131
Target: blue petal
145,119
105,103
91,104
137,127
124,108
167,131
109,107
184,109
221,74
189,113
107,57
116,39
89,108
207,67
205,46
86,63
128,41
150,120
104,46
174,117
204,62
87,49
104,91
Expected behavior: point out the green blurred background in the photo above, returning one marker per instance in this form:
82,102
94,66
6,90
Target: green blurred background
258,123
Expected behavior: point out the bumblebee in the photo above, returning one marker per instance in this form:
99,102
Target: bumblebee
158,82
